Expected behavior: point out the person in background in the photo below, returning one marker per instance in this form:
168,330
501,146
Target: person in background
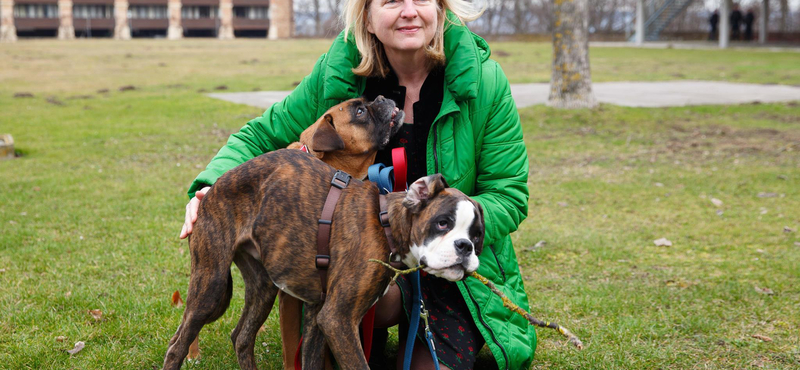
713,21
736,23
749,18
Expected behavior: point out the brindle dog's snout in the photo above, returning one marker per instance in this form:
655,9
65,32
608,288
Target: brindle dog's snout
463,247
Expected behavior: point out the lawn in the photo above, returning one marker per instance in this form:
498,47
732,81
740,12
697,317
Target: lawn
90,213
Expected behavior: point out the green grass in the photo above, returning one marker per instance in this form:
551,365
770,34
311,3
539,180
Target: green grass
89,215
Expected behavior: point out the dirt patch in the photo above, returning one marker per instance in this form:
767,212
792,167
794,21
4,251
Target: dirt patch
20,95
793,119
53,100
686,141
78,97
127,88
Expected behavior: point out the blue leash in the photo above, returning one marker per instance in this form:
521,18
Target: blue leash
418,311
383,177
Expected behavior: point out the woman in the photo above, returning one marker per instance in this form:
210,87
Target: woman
460,121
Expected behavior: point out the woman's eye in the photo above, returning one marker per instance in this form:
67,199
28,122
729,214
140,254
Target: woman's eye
359,111
442,225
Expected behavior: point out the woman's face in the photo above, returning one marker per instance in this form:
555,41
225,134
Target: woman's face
403,25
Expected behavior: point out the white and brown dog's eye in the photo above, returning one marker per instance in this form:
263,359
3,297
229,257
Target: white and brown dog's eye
442,225
359,111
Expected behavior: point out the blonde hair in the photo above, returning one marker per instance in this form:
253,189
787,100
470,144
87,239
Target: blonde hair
373,57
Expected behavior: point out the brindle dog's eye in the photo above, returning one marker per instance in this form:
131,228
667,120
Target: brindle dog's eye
442,225
359,111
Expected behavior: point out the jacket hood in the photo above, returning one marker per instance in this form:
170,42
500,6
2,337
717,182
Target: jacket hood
463,50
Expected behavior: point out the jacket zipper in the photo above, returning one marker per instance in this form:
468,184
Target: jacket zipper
499,265
494,339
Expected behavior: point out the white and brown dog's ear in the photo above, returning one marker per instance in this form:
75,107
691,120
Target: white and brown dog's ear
325,138
423,189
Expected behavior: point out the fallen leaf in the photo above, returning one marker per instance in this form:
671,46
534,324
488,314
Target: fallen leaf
36,188
762,337
539,244
766,291
4,270
767,195
194,350
760,251
176,299
719,212
680,284
786,229
96,314
659,184
262,329
60,338
78,347
796,244
663,242
716,202
68,294
563,204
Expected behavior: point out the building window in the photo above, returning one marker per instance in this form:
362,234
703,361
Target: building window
93,11
251,12
199,12
35,11
148,11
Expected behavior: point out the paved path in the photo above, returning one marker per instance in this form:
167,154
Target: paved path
700,45
629,94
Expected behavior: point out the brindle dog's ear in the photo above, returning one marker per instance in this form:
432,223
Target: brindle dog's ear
423,189
325,138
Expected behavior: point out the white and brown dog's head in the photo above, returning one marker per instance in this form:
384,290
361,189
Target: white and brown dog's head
444,229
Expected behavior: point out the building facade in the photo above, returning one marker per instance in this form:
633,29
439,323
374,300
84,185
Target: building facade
124,19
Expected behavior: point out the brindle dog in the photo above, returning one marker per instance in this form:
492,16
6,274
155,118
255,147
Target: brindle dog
347,137
263,216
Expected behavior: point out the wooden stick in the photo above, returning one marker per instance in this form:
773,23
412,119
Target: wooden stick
506,303
532,320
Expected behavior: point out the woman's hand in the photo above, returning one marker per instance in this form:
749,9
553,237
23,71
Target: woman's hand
191,211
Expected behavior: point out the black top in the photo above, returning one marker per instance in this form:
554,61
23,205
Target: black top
413,135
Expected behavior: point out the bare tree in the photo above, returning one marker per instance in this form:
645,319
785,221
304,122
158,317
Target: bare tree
784,25
571,81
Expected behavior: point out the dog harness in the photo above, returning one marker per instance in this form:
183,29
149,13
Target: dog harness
323,260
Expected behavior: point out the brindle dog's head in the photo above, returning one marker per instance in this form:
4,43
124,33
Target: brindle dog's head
446,229
353,128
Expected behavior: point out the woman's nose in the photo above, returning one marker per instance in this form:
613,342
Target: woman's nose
409,10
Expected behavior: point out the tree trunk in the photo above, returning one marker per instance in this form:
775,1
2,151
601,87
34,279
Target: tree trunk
317,21
784,24
571,82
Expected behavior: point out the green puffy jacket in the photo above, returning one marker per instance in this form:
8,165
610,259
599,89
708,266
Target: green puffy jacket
475,143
